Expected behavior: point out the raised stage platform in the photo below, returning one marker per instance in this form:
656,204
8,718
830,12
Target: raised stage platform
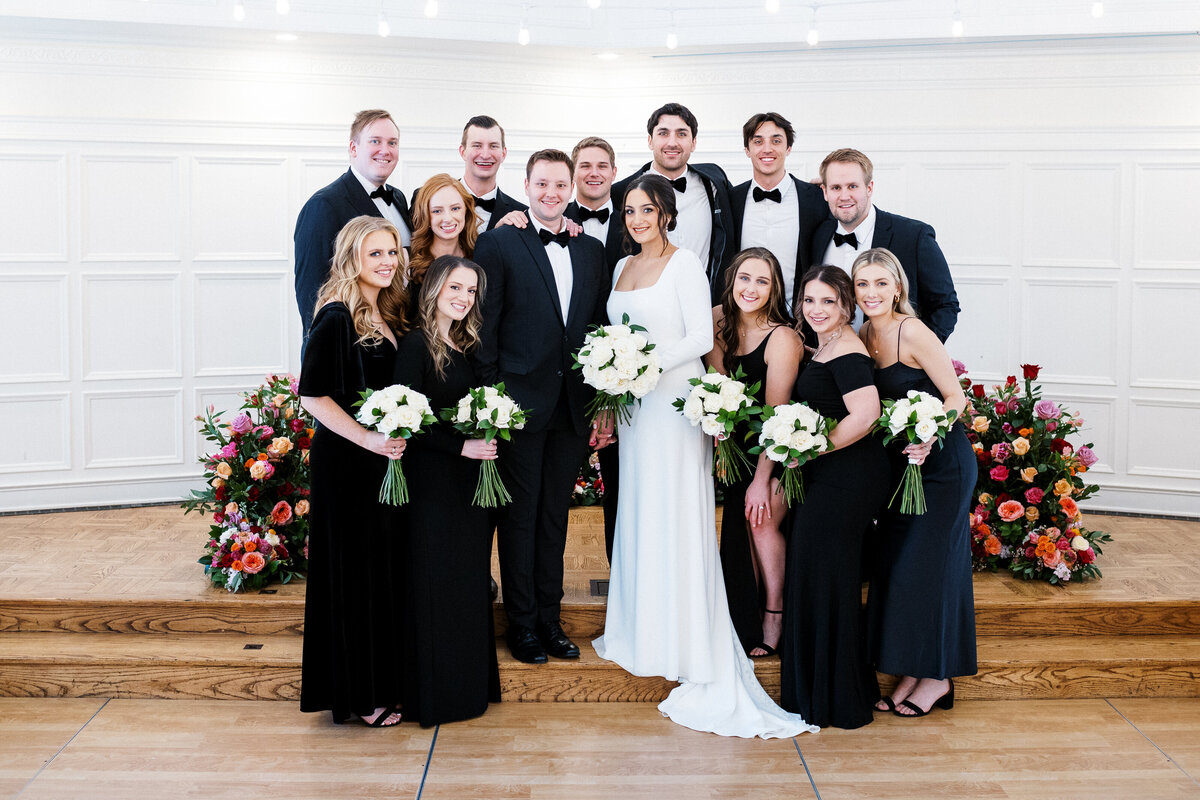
112,603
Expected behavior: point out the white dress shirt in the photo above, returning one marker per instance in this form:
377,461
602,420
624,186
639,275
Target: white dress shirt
844,256
560,264
483,217
594,227
775,226
693,228
390,212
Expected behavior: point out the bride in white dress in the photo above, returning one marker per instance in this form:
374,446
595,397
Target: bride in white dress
667,613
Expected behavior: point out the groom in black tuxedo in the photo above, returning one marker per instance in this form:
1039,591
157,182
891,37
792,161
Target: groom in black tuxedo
544,288
857,225
704,223
361,191
483,151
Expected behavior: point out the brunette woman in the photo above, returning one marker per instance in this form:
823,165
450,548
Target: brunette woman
354,611
453,673
825,672
753,334
921,608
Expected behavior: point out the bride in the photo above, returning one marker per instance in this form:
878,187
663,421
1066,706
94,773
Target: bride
667,611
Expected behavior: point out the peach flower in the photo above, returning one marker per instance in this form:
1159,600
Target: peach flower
1010,510
223,470
301,508
231,508
216,483
1063,487
1028,474
253,563
1032,514
979,424
280,446
1053,558
1020,446
991,545
281,514
984,498
1069,507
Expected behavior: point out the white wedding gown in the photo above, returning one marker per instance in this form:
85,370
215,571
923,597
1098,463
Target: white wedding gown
667,612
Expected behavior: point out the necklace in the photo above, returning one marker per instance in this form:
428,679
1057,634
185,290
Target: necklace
832,338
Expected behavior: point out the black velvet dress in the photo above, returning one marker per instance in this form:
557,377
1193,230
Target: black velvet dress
921,606
452,673
737,563
825,673
354,607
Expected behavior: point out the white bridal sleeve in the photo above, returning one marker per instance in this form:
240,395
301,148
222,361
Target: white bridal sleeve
695,305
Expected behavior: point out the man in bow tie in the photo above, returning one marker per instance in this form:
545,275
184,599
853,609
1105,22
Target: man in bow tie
775,209
704,223
544,288
483,151
857,226
361,190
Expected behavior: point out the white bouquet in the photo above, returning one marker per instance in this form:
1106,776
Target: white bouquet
793,433
718,403
487,413
398,412
919,417
618,362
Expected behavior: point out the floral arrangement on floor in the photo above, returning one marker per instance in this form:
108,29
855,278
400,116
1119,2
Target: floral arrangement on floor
1026,516
589,486
257,488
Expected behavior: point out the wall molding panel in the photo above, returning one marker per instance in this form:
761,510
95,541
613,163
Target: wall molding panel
147,269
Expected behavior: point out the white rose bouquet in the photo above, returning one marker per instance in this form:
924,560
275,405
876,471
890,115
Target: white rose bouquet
398,412
793,433
487,413
617,361
718,403
919,417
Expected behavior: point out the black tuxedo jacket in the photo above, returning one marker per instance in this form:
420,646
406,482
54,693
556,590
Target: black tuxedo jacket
723,242
525,342
930,287
613,243
504,204
813,210
322,217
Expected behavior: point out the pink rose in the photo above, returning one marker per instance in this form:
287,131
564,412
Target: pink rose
264,431
242,423
1086,456
1063,544
1051,426
297,425
999,474
1047,409
228,451
1034,495
1001,451
1010,511
960,368
1013,404
1052,559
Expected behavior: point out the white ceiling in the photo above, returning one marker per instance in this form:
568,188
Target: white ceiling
626,26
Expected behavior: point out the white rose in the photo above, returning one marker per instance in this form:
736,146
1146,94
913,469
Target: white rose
464,410
1080,543
408,417
732,389
502,416
731,404
638,341
712,402
602,353
897,423
617,330
389,422
693,409
800,440
386,404
926,429
643,384
710,426
821,443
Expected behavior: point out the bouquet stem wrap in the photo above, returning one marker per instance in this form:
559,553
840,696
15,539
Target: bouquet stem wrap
487,413
398,412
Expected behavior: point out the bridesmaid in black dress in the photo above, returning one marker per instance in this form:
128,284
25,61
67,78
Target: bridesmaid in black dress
451,642
752,330
921,608
825,672
353,609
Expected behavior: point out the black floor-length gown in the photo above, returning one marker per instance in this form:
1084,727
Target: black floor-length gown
353,607
737,563
451,644
921,606
825,673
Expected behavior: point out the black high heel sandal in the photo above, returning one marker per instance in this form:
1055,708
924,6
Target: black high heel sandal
946,702
768,650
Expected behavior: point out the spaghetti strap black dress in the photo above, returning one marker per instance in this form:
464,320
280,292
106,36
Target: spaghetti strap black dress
825,673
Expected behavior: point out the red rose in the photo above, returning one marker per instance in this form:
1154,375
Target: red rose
222,494
226,560
1030,551
298,425
256,528
1011,380
977,390
1063,544
1059,445
1087,556
281,551
1002,498
219,517
1001,408
303,442
1034,496
1031,371
999,474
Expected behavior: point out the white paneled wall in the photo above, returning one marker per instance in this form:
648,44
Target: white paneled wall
149,196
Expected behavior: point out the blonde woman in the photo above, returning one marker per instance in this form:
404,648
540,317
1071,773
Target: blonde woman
454,673
921,611
353,613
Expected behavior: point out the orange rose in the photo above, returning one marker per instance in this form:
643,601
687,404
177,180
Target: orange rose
1028,474
991,545
262,457
1020,446
310,432
236,566
1032,514
288,413
301,508
231,508
236,547
1069,507
250,462
1044,547
1010,510
279,400
979,424
984,498
1026,431
1063,487
251,547
253,563
223,470
216,483
281,514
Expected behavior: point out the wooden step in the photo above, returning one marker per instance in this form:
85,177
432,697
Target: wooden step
220,666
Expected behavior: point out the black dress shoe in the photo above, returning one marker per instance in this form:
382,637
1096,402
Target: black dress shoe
556,642
524,645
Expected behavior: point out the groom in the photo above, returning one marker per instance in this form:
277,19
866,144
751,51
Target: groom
544,288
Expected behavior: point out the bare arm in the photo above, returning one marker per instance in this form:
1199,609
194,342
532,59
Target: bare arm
783,363
332,416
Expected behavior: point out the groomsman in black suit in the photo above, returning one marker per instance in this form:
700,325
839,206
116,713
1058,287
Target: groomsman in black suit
595,168
775,209
361,190
846,179
483,151
705,222
544,288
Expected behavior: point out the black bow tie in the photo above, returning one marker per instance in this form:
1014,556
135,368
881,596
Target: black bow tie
560,238
488,205
586,213
839,240
774,194
679,183
384,194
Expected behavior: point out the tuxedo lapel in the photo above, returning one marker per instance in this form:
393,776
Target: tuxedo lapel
358,198
533,243
883,230
579,277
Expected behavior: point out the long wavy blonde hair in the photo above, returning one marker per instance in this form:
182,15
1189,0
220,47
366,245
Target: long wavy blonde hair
342,284
882,257
422,238
464,333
